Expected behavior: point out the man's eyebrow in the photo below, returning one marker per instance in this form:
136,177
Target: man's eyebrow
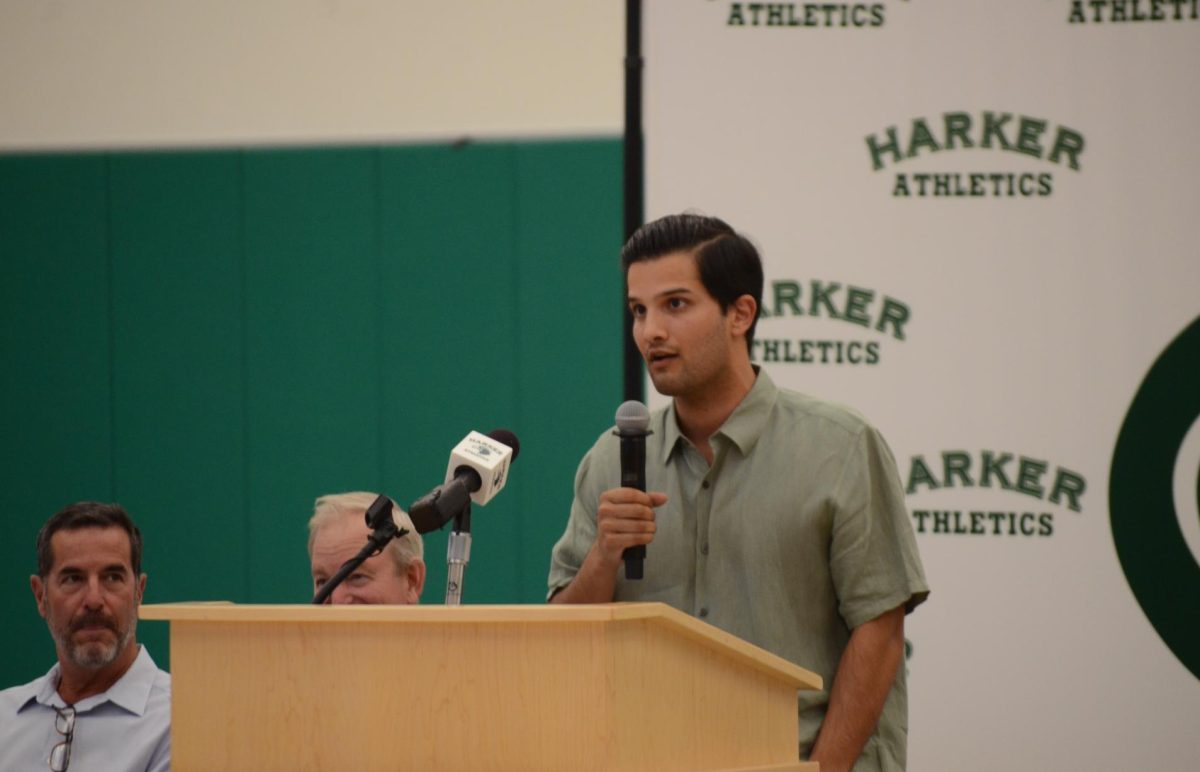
110,568
665,293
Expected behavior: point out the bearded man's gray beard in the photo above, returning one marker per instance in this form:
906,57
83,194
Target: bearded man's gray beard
97,654
94,654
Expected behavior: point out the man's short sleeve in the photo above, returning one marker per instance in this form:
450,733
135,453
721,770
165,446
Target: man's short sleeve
577,539
873,554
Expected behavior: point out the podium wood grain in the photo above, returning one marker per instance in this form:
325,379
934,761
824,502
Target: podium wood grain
608,687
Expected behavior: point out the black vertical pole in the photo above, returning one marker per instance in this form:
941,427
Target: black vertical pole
634,178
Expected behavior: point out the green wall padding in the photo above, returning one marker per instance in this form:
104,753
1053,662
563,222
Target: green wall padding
215,338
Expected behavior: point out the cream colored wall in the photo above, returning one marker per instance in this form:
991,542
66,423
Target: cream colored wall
138,73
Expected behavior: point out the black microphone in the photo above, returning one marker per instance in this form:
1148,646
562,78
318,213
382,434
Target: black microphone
633,425
478,469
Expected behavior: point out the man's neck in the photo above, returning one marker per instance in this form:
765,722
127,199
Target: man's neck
76,683
700,415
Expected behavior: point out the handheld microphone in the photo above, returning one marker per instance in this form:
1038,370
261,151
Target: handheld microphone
633,425
477,471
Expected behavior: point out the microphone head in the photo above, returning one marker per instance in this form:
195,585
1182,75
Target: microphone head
633,418
489,456
505,437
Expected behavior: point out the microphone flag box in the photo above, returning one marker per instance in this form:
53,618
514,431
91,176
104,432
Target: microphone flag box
490,460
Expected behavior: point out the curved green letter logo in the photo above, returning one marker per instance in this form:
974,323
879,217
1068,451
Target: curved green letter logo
1154,496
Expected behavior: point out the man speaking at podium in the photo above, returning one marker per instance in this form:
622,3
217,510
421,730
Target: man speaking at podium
338,530
772,515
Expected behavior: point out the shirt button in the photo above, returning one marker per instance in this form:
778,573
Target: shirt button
704,548
704,485
704,611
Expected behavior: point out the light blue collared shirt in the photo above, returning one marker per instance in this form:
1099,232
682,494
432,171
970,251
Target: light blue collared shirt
125,729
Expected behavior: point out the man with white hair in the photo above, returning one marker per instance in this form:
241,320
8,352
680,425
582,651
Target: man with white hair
336,533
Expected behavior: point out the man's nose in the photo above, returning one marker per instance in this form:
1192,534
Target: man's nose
342,596
93,596
652,327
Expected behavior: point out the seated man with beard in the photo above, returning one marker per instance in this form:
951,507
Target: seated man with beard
104,705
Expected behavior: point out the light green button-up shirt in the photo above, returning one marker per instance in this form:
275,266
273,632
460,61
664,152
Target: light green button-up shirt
797,534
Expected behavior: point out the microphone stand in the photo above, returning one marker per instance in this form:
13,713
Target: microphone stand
384,529
458,554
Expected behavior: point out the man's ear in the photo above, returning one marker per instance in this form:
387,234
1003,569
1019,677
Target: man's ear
39,593
141,588
742,313
416,578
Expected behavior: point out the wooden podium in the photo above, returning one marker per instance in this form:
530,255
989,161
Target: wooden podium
607,687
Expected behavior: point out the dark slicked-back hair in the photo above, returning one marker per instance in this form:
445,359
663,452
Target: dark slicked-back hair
88,514
728,263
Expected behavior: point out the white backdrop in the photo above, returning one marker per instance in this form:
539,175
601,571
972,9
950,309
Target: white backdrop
149,74
1005,320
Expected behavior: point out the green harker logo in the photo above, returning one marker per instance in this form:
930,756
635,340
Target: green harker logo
998,131
1161,570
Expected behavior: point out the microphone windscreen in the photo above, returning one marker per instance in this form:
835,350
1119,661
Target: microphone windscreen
633,418
505,437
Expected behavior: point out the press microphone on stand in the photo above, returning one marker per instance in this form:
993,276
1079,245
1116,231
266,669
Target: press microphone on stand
478,469
633,425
